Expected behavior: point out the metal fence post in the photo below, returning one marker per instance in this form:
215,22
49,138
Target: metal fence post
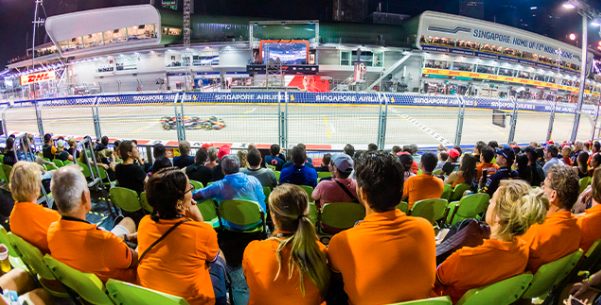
551,120
514,120
460,117
4,108
182,123
595,124
177,122
38,114
284,123
96,117
382,120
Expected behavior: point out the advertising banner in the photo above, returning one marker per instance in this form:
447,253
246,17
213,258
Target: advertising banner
37,77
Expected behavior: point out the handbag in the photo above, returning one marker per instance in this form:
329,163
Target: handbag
467,233
162,237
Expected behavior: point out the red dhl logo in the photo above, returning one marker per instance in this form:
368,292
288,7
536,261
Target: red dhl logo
493,77
37,77
474,74
454,73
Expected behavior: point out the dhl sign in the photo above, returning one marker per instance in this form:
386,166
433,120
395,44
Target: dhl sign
37,77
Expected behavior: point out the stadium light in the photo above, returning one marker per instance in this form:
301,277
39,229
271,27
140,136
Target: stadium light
569,5
572,36
596,22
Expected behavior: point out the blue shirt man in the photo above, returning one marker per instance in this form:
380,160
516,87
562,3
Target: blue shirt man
299,173
505,159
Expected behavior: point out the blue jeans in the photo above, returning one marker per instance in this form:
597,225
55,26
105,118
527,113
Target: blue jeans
218,270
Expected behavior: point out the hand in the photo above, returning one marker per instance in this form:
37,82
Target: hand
579,288
133,237
193,212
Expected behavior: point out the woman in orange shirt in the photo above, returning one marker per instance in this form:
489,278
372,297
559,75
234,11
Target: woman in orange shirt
291,266
187,261
466,172
513,208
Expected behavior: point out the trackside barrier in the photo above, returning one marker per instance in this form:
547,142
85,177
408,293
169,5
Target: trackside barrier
288,118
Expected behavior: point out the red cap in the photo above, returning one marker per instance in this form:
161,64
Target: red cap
400,153
206,146
453,153
224,150
550,143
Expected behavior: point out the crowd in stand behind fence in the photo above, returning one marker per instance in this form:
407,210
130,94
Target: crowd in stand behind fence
538,206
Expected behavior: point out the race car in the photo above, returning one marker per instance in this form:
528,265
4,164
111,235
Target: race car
192,123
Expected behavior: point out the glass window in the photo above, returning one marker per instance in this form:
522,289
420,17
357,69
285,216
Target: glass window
75,43
378,59
64,45
545,59
422,40
491,48
506,72
447,42
512,52
210,60
113,36
345,58
465,44
529,56
140,32
487,69
174,31
437,64
123,63
461,66
540,78
93,40
366,57
524,74
165,30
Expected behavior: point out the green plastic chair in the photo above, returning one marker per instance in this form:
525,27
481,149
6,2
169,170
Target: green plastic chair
197,185
3,176
591,257
277,175
313,213
266,192
436,172
33,258
243,213
419,172
87,285
7,170
549,274
341,215
467,208
430,209
459,190
447,192
584,182
50,167
432,301
1,159
68,163
324,174
84,169
58,163
309,191
126,199
105,177
13,256
501,293
129,294
403,206
144,203
208,210
47,159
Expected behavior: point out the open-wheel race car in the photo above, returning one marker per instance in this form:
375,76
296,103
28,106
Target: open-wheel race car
192,123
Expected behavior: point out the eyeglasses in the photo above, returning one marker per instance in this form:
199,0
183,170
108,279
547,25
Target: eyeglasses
191,187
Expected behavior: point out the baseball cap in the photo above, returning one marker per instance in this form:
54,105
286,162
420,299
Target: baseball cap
343,162
206,146
224,150
508,153
60,143
453,153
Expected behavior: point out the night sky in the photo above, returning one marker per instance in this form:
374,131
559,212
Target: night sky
16,15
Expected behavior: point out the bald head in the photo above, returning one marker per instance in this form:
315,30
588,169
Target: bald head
68,188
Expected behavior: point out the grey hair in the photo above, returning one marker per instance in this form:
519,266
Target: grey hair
213,153
578,144
230,164
414,148
67,185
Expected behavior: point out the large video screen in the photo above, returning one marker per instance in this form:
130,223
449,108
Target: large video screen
290,53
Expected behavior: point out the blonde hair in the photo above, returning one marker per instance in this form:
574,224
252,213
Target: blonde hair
25,181
518,206
243,156
289,205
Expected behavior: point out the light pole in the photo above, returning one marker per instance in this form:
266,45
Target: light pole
586,12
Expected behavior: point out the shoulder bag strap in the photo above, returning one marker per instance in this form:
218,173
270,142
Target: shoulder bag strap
162,237
346,190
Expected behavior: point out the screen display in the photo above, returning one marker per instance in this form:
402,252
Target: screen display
288,53
309,83
498,118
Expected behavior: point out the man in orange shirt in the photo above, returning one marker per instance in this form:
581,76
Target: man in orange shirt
28,219
424,186
388,257
486,164
559,235
82,245
590,222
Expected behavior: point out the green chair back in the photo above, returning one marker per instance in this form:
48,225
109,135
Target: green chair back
85,170
547,275
313,214
47,159
419,172
467,208
432,301
267,192
126,199
501,293
58,162
50,167
342,215
3,176
324,174
309,191
591,257
197,185
144,203
13,256
430,209
125,293
7,170
584,182
208,210
1,159
459,190
438,172
87,285
575,259
241,212
447,192
277,175
68,163
403,206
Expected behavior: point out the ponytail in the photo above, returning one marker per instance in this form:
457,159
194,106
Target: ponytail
519,206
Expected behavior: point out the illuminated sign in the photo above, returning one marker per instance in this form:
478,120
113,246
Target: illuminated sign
520,42
37,77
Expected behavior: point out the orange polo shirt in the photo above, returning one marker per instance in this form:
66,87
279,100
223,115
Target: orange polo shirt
82,246
422,187
458,273
491,168
31,221
590,225
177,265
557,237
387,258
260,267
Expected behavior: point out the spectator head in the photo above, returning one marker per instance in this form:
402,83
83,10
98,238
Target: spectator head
349,150
587,145
428,162
213,154
10,142
343,165
566,151
406,161
551,151
169,192
478,148
380,180
521,165
531,153
184,148
201,156
206,146
251,146
582,161
72,143
396,149
454,155
578,145
61,138
223,151
48,139
230,164
414,148
372,146
135,141
60,144
254,158
595,161
301,145
128,150
160,163
159,150
407,148
104,141
561,187
116,148
299,156
505,157
443,156
70,190
514,207
275,149
540,153
468,167
596,185
326,160
493,144
25,181
243,156
596,146
458,148
288,205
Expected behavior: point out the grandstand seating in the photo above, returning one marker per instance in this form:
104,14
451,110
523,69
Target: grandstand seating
431,209
126,199
466,208
145,204
242,213
501,293
208,209
126,293
340,215
432,301
550,274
